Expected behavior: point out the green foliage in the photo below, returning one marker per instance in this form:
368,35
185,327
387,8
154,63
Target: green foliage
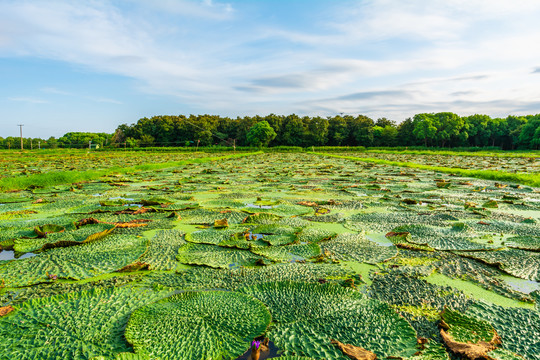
215,256
200,278
210,325
295,252
502,354
260,134
467,329
162,250
307,315
75,262
520,263
77,325
356,247
432,351
518,328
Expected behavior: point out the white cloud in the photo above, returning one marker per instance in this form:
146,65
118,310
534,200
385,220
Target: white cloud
28,99
439,53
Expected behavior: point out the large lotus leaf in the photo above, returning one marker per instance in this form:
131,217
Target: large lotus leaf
520,263
466,329
307,315
283,209
215,256
524,242
450,238
61,238
75,262
198,325
262,218
243,241
210,236
278,240
356,247
200,278
162,250
502,354
288,253
207,216
310,235
431,351
518,328
275,229
77,325
385,221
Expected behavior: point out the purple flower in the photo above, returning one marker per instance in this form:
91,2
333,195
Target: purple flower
255,344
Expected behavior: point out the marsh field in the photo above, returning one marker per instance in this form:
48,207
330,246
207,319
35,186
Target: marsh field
146,255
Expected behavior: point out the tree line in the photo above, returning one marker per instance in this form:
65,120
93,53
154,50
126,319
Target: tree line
443,129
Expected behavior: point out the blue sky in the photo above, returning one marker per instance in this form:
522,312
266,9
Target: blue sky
92,65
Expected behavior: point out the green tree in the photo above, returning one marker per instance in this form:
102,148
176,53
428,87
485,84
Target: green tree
293,131
338,131
424,127
260,134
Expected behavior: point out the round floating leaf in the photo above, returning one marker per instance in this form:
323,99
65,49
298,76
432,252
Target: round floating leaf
77,325
198,325
215,256
307,315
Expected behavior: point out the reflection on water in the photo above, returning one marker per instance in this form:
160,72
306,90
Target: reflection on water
12,255
522,285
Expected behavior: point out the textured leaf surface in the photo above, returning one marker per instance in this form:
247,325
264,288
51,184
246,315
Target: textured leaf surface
356,247
198,325
75,262
307,315
162,250
215,256
78,325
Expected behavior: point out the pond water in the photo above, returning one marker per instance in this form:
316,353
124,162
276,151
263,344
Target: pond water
12,255
379,239
259,206
522,285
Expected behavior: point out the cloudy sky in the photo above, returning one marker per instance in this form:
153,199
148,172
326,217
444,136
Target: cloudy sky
91,65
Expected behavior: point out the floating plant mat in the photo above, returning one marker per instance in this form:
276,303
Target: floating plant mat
162,250
356,247
287,253
211,236
471,337
86,233
200,278
75,262
307,203
307,315
518,328
72,326
457,237
520,263
386,221
215,256
211,325
208,217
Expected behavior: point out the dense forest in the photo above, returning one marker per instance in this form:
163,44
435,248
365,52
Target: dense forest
444,129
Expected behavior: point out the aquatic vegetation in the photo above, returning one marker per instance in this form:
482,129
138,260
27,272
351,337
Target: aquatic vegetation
365,254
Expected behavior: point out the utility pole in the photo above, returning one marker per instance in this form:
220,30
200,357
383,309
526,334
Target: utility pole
39,145
20,126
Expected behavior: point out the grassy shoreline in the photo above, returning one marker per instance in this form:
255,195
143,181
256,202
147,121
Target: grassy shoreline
66,177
